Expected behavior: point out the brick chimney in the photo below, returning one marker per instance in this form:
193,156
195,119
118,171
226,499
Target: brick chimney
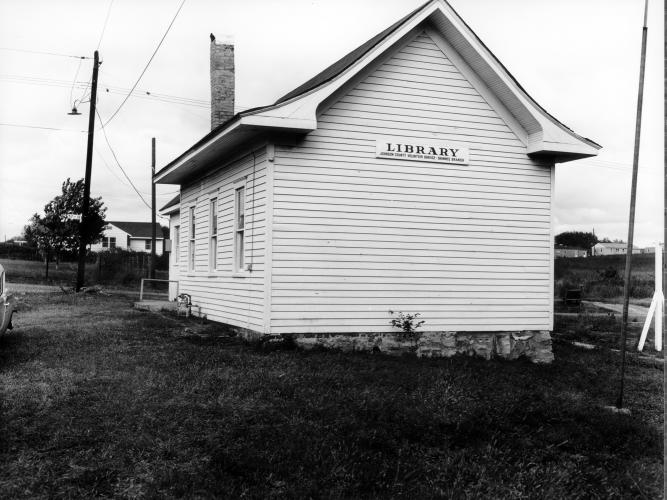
222,82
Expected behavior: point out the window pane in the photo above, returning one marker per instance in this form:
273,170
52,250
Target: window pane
214,253
192,222
112,242
239,251
240,207
214,216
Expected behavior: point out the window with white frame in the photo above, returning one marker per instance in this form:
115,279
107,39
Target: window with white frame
213,234
191,244
147,245
109,242
239,225
176,245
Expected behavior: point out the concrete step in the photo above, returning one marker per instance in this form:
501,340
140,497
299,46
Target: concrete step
156,305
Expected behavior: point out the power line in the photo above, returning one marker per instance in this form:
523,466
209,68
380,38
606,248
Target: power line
118,163
104,27
99,155
42,128
145,94
71,90
138,93
147,64
43,53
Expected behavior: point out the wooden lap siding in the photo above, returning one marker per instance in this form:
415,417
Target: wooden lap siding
467,246
223,295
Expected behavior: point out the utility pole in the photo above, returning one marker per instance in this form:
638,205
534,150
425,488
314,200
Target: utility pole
152,273
633,198
86,187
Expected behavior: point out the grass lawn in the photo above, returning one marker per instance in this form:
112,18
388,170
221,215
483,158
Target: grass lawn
32,271
100,400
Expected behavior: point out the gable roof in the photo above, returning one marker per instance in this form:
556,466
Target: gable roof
172,205
296,111
347,60
139,229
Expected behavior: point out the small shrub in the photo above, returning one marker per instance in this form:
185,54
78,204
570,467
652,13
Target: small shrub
408,323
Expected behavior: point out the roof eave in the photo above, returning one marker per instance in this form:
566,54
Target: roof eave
170,210
563,152
213,147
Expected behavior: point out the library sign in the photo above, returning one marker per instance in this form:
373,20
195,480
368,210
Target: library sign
421,150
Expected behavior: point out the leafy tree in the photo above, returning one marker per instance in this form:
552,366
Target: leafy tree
578,239
59,230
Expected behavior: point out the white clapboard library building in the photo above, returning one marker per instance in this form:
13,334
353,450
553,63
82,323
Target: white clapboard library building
415,174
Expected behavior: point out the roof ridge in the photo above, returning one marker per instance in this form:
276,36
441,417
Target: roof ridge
335,69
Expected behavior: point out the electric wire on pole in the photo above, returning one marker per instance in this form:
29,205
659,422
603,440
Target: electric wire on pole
83,227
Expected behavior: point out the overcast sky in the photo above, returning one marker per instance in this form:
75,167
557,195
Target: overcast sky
577,58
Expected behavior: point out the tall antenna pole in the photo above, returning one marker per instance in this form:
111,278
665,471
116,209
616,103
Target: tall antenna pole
664,238
633,198
83,227
152,272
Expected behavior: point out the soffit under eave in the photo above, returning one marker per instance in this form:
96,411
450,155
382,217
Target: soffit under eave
532,117
200,162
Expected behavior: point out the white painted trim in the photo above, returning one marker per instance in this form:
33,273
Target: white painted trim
478,84
268,235
550,127
551,246
213,195
238,183
191,263
270,152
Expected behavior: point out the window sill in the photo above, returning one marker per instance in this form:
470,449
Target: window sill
217,274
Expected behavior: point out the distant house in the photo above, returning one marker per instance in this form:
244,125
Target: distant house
134,236
565,251
613,249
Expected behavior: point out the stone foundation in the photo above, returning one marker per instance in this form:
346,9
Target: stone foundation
534,345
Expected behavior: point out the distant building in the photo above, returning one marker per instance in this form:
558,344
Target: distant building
565,251
134,236
613,249
651,248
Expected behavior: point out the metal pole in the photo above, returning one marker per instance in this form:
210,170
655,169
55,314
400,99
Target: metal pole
153,236
83,227
633,198
664,240
659,299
